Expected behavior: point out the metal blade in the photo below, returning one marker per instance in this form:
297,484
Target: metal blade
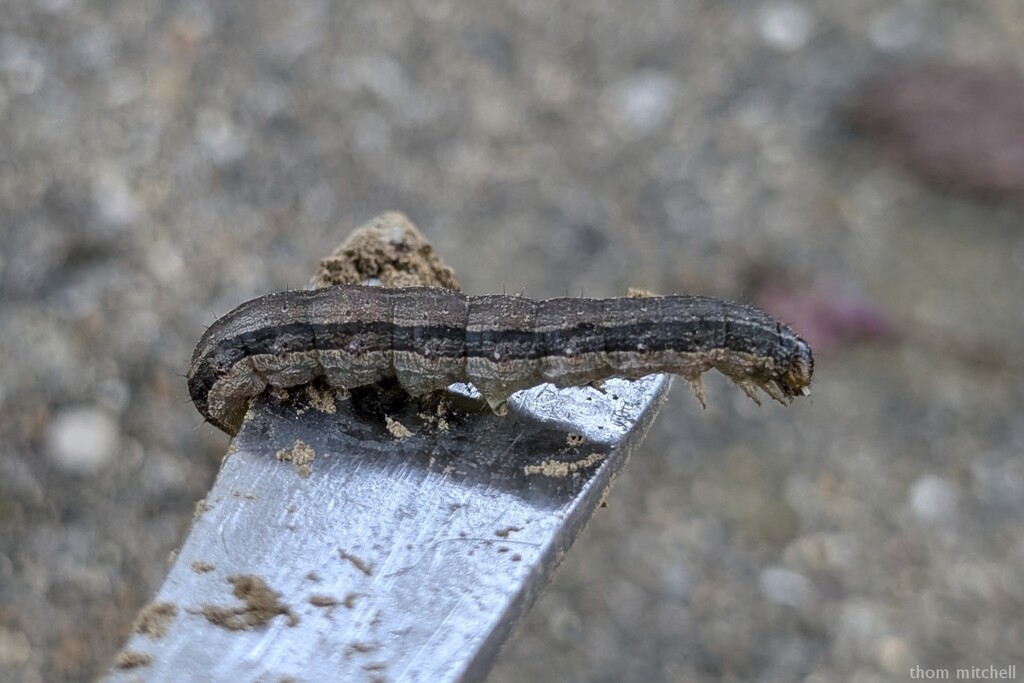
397,559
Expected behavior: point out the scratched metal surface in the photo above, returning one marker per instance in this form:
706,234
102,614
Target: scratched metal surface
440,541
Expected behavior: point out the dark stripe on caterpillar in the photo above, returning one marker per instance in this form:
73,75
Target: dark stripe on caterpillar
429,338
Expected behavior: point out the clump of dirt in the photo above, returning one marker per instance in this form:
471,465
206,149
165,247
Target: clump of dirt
390,250
261,604
154,619
322,397
397,429
321,600
301,453
357,562
132,659
562,468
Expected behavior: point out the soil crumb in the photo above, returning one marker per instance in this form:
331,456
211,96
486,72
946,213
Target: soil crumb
360,648
561,468
357,562
154,619
321,397
397,429
388,250
301,454
504,533
203,567
261,605
438,420
321,600
132,659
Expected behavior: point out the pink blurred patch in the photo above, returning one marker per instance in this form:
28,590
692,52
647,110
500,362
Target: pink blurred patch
826,317
960,126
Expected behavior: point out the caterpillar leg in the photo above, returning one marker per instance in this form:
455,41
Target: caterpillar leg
698,390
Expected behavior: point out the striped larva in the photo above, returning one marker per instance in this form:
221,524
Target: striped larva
430,338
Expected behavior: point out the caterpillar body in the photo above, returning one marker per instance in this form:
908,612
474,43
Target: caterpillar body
429,338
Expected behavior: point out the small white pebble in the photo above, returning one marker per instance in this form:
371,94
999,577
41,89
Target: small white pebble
785,26
165,262
114,199
677,581
642,101
786,587
933,499
893,655
220,137
83,440
858,630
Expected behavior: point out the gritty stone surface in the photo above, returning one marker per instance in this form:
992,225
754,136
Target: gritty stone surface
786,587
161,162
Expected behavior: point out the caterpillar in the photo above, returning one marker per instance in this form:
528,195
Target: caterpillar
429,338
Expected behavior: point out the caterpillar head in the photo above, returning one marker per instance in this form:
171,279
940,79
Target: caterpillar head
796,378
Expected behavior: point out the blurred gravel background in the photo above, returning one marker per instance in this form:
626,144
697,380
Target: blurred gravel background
162,161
